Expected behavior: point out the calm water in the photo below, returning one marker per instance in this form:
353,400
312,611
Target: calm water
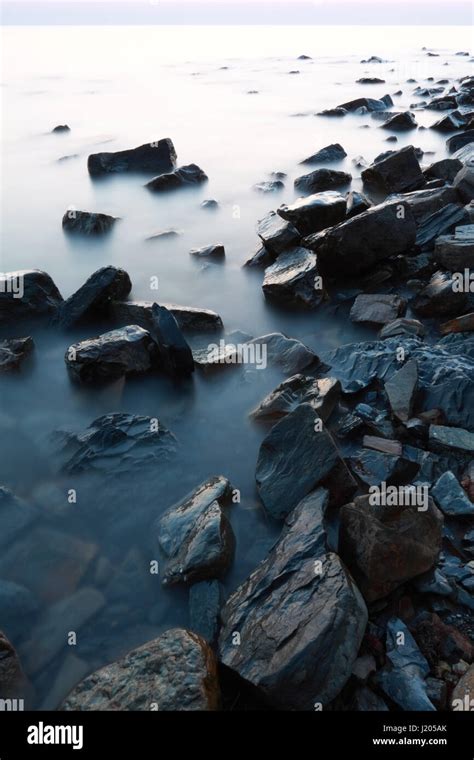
118,88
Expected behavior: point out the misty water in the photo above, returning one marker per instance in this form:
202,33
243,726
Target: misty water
118,88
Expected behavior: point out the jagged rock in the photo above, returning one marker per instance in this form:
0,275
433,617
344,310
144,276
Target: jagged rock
450,123
427,201
27,293
450,496
87,222
322,394
196,535
174,353
315,212
369,103
287,353
13,352
322,179
188,318
185,176
216,251
446,169
401,390
454,252
291,280
205,601
451,438
377,308
103,286
464,183
356,203
374,467
385,546
440,297
453,144
277,234
330,153
401,122
440,223
116,443
111,355
261,258
300,630
176,671
398,173
402,326
460,324
154,157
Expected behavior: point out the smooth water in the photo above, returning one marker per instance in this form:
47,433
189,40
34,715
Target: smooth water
118,88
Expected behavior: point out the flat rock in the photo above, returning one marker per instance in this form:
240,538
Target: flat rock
377,308
289,354
291,280
189,318
399,172
445,169
111,355
215,251
451,438
374,467
151,158
276,233
322,179
174,353
13,352
440,297
401,390
458,325
451,497
27,294
87,222
440,223
323,394
176,671
330,153
401,122
370,80
453,253
315,212
185,176
93,298
402,326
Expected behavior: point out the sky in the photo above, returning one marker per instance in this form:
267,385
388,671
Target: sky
348,12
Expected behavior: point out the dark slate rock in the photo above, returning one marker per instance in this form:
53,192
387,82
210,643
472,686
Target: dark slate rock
61,128
450,123
455,253
185,176
151,158
300,630
370,80
425,202
196,535
174,353
440,223
375,467
13,352
189,318
215,251
276,233
452,439
210,204
87,222
93,298
377,308
451,497
446,169
315,212
401,122
289,354
291,280
322,179
338,111
464,184
260,258
28,293
111,355
402,326
456,142
401,390
322,394
330,153
369,103
399,172
440,297
205,601
356,203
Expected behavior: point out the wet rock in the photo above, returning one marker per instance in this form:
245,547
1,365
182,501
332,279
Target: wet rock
322,394
369,103
401,122
28,293
356,203
300,630
261,258
454,253
356,245
196,535
370,80
464,183
440,223
205,602
19,607
384,445
116,443
111,355
93,298
174,353
451,497
385,546
401,390
189,319
322,179
427,201
269,186
12,680
378,308
292,279
365,700
442,103
87,222
13,353
16,515
458,325
440,297
315,212
216,251
289,354
330,153
446,169
277,234
338,111
210,204
451,438
185,176
374,467
153,158
61,128
294,458
399,172
360,162
456,142
450,123
402,326
163,235
176,671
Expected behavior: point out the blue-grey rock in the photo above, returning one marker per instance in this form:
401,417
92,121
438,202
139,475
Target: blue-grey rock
185,176
451,497
94,297
154,157
205,601
174,354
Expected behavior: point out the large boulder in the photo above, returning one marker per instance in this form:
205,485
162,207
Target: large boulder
151,158
111,355
189,318
315,212
196,535
384,546
175,672
13,353
299,617
440,223
87,222
322,179
292,279
398,173
276,233
185,176
93,298
174,353
28,293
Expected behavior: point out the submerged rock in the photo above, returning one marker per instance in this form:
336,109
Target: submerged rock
176,671
87,223
13,352
334,152
299,628
28,293
377,308
189,318
174,353
196,535
93,298
440,297
269,186
216,251
276,233
322,394
397,173
111,355
151,158
315,212
61,128
16,516
401,122
292,279
368,103
287,353
185,176
322,179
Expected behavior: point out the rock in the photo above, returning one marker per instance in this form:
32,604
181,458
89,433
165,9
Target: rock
196,535
87,222
446,169
450,123
356,203
465,154
93,298
401,390
261,258
61,128
304,58
384,445
294,458
216,251
456,142
360,162
443,103
440,223
289,354
399,172
427,201
163,235
116,443
451,438
205,602
432,582
440,297
269,186
16,516
464,183
378,308
322,394
454,253
12,680
176,671
363,667
277,234
402,326
373,59
28,293
338,111
49,637
292,279
386,546
370,80
451,497
315,212
111,355
210,204
462,696
369,103
460,324
185,176
330,153
19,607
13,353
356,245
322,179
300,630
401,122
374,467
151,158
189,319
174,353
